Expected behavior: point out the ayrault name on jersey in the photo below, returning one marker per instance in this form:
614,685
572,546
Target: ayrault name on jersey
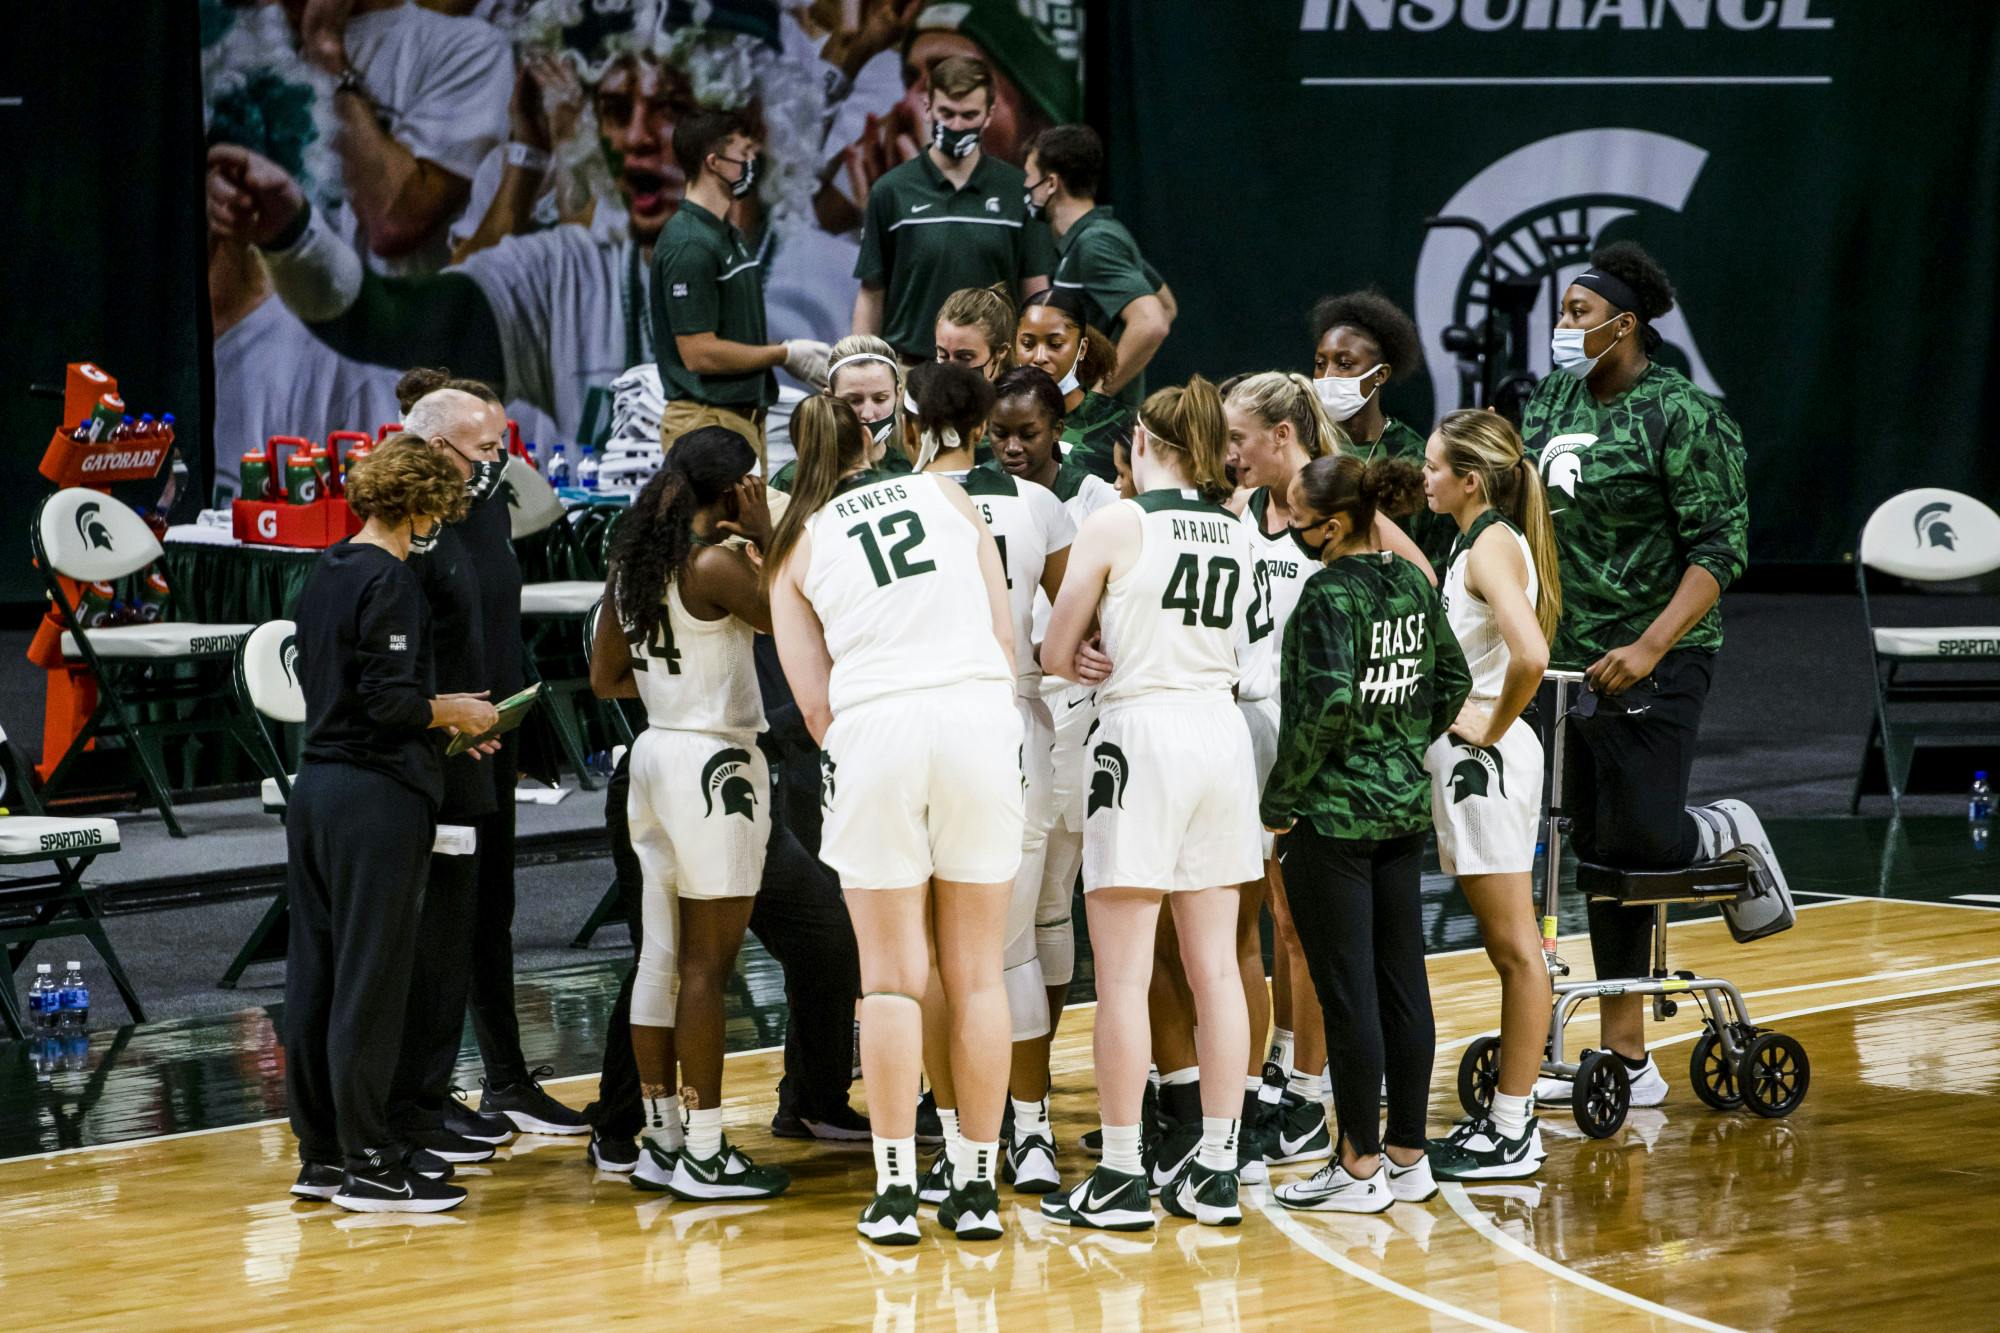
1216,531
875,497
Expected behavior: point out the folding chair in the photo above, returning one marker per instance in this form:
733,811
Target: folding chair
1937,541
268,690
550,611
88,536
54,904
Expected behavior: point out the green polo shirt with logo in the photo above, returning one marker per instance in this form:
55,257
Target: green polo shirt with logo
706,279
1098,257
923,239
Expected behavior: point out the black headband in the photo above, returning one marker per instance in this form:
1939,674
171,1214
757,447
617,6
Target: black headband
1613,289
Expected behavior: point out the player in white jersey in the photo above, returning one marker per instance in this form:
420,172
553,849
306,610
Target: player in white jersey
889,602
680,611
1172,805
1033,532
1502,597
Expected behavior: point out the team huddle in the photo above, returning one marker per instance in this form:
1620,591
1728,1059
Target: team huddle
1224,657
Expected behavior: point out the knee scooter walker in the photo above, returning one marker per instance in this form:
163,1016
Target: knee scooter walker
1733,1064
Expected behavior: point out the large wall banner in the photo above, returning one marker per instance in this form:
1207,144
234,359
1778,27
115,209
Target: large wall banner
1821,178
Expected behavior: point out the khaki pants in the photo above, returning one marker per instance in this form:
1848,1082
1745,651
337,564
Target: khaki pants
685,414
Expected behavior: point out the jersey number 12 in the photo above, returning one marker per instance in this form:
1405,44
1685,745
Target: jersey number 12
898,565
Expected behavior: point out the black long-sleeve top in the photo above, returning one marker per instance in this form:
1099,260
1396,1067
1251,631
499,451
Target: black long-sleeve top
472,583
365,667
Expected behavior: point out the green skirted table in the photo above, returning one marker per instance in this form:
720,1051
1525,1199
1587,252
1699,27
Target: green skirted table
229,584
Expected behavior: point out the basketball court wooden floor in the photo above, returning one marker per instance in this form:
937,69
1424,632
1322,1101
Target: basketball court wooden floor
1873,1206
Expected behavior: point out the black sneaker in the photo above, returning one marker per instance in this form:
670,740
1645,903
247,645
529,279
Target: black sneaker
1029,1164
971,1211
443,1143
531,1110
1106,1200
480,1126
891,1217
317,1180
730,1174
845,1125
936,1184
1092,1143
1173,1152
393,1189
1478,1150
425,1163
615,1155
1302,1131
1207,1196
1256,1141
930,1129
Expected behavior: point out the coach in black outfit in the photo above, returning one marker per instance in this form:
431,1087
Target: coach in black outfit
359,829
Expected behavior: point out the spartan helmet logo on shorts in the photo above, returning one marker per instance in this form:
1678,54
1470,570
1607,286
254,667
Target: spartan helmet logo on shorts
288,658
723,776
1470,776
826,767
1107,781
1932,529
91,528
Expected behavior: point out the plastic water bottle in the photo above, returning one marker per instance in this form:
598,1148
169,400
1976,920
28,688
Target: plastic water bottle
74,1013
558,470
44,1001
586,469
1979,811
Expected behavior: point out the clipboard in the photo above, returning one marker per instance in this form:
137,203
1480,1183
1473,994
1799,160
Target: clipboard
513,711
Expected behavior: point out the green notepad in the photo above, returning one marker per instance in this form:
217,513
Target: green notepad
512,709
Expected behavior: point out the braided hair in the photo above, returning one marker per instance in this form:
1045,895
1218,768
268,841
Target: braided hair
655,538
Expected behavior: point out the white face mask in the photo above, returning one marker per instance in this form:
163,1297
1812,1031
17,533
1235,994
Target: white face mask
1566,350
1341,395
1069,382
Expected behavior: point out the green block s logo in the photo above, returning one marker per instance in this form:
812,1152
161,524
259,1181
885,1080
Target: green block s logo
1107,779
1472,775
722,777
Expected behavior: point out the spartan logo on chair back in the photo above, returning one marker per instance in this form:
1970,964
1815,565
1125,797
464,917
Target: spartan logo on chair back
722,776
1107,780
91,528
288,658
1472,774
1932,528
1931,535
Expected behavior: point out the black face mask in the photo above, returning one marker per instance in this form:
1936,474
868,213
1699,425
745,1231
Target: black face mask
1299,536
880,431
955,143
485,478
744,183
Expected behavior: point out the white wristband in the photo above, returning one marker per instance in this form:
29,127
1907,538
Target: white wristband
319,275
527,157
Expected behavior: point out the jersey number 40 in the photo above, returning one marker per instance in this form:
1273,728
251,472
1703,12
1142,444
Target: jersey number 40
899,565
1213,598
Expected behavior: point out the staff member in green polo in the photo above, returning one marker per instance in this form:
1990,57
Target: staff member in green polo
949,218
708,294
1096,255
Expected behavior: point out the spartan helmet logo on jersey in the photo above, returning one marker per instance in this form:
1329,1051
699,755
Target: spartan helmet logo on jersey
91,528
1107,779
288,658
826,767
1932,529
1472,774
1577,183
1562,462
723,776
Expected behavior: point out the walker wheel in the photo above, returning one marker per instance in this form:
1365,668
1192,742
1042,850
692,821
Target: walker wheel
1603,1094
1774,1074
1712,1075
1479,1076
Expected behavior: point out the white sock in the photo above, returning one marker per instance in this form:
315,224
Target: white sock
1281,1049
1309,1086
1121,1149
1269,1093
895,1163
949,1115
1192,1074
1510,1114
972,1161
704,1132
1030,1118
1218,1142
1153,1077
663,1122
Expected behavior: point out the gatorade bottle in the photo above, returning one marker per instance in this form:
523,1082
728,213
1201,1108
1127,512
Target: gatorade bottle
302,478
256,476
94,606
154,595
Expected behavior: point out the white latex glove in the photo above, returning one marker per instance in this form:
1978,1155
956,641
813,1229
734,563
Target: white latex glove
805,361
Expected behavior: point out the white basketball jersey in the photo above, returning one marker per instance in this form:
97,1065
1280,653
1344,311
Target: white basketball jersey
1029,524
1471,619
1283,565
696,675
1082,494
896,583
1177,621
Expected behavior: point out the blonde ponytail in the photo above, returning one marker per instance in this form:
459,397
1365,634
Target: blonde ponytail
1189,418
1484,445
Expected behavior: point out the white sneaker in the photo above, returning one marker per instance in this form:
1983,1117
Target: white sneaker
655,1167
1332,1190
1553,1091
1649,1086
1410,1184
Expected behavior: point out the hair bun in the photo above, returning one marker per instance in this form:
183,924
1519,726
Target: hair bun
1393,486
